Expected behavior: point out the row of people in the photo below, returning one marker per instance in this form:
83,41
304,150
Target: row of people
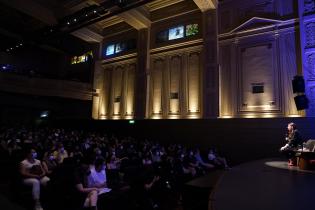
55,146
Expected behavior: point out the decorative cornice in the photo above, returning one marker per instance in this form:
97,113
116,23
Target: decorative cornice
109,22
120,58
196,42
88,35
155,5
278,25
205,5
136,18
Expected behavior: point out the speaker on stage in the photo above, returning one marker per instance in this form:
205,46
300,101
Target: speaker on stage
301,102
298,84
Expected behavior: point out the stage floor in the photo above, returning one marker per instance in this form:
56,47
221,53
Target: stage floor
264,184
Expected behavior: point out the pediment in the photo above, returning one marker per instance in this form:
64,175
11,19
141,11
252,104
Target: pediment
256,22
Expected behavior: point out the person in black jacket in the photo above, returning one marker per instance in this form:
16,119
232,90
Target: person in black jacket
294,140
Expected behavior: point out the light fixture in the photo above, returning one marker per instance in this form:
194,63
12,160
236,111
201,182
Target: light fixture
68,23
75,20
21,44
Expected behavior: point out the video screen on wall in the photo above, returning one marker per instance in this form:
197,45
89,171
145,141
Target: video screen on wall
110,50
176,33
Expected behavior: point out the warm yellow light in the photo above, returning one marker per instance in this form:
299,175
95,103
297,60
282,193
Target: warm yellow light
226,116
173,116
116,117
128,117
155,117
294,115
193,106
262,115
116,108
261,107
193,116
103,117
174,106
129,105
268,115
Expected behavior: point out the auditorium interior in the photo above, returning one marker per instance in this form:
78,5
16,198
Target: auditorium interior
88,85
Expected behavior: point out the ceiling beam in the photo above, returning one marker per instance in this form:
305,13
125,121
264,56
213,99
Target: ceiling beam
88,35
205,5
33,9
136,18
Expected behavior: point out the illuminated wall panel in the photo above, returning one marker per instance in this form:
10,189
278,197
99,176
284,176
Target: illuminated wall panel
226,83
105,94
174,84
289,70
117,82
193,83
259,88
129,91
157,86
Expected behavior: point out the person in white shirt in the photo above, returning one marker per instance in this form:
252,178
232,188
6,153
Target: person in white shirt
97,177
33,175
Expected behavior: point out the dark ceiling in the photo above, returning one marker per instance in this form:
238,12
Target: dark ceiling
18,26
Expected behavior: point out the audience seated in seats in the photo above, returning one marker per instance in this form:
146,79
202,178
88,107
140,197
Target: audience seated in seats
33,175
294,140
97,177
147,160
49,163
201,162
151,190
183,165
193,163
85,194
145,169
60,154
76,154
217,161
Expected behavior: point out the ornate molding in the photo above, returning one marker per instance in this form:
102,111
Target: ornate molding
88,35
309,6
123,58
310,60
159,4
205,5
136,18
310,35
186,45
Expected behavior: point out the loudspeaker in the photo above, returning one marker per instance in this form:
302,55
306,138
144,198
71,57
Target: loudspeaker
298,84
301,102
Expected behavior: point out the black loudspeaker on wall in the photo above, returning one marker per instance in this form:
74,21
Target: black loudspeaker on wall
298,84
301,101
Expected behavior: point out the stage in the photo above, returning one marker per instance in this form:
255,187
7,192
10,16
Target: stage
264,184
